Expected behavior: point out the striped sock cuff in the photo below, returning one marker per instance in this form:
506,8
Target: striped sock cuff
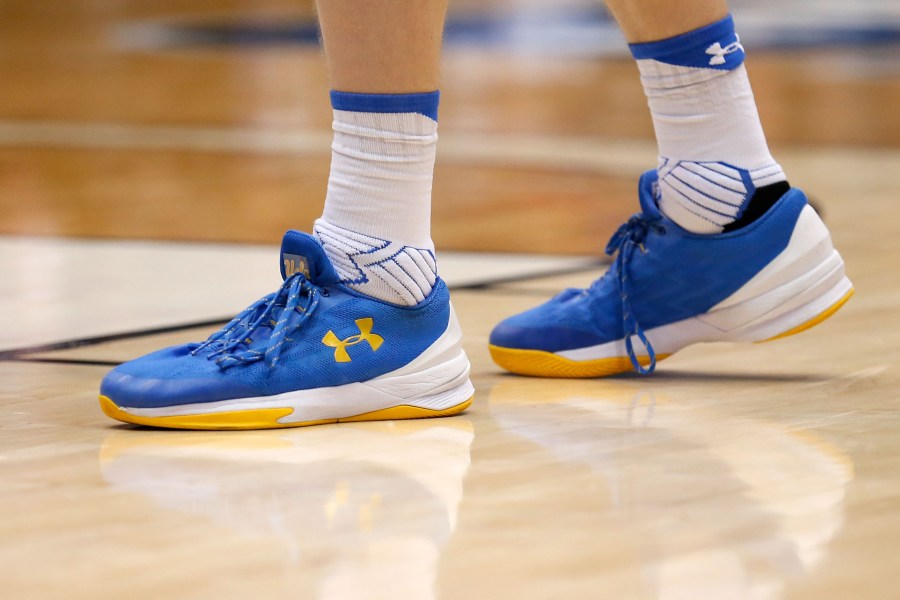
424,104
714,46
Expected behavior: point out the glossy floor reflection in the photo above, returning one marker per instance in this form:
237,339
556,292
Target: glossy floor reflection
342,521
735,472
706,504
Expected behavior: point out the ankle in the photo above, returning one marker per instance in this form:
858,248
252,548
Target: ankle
389,271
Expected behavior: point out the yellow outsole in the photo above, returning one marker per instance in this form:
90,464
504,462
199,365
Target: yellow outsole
538,363
268,418
815,320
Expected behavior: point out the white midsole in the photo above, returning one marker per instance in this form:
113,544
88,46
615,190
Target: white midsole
802,282
437,379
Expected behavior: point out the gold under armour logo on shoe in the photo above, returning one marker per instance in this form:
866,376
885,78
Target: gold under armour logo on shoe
365,334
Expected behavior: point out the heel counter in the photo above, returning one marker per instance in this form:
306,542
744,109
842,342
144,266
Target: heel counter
809,246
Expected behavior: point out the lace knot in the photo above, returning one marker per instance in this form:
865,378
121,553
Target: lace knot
622,244
232,345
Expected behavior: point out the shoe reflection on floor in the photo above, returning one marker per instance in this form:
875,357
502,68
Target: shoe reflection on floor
712,505
359,508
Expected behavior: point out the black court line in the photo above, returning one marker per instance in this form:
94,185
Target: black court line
23,354
490,285
516,291
69,361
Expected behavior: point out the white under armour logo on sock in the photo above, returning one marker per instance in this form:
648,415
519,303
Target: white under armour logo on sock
719,53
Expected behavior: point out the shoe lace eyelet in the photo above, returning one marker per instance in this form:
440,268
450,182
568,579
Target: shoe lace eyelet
325,292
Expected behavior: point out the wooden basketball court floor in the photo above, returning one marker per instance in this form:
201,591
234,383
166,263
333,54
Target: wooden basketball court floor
151,154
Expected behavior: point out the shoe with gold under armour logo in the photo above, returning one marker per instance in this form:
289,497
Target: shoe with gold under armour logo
313,352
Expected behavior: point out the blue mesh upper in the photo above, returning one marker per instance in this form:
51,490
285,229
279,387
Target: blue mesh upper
681,275
175,376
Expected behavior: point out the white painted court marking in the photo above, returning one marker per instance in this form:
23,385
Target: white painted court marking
60,289
566,153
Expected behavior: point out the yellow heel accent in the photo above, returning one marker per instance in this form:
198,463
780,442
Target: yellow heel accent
538,363
408,412
815,320
267,418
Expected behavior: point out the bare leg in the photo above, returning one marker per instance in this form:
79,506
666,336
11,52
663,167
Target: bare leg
382,46
384,60
649,20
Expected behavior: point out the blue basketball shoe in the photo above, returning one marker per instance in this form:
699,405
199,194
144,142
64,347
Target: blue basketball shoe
312,352
668,288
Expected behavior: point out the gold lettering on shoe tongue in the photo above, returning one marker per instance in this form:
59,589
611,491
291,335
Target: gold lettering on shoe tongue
365,335
294,263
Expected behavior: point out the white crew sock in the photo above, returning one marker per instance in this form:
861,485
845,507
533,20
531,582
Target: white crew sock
713,154
376,226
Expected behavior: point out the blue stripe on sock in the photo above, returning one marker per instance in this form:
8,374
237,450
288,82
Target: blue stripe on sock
423,104
714,46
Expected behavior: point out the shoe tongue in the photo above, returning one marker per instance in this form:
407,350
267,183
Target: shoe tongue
649,194
301,252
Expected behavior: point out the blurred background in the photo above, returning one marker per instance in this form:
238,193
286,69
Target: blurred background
209,120
757,473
